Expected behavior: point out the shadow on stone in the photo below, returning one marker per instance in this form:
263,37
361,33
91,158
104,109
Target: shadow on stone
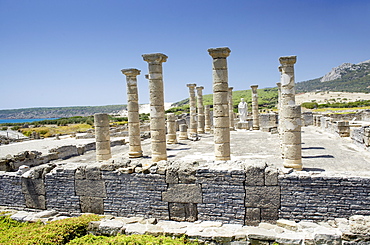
319,156
313,148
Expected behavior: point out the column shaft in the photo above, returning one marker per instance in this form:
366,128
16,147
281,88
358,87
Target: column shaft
200,110
255,112
157,117
207,119
171,129
102,137
193,109
220,103
133,113
231,108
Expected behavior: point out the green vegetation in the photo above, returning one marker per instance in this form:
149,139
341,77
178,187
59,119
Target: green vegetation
52,131
267,99
56,232
314,105
71,231
132,239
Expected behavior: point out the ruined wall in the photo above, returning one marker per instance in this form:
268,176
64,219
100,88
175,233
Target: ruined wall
323,197
246,193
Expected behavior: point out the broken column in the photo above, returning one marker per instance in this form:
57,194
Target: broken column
200,110
255,113
183,135
343,128
231,108
291,138
193,109
171,128
157,117
102,137
133,113
220,103
207,119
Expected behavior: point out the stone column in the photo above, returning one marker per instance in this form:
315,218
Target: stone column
287,80
231,108
279,95
255,112
183,128
207,119
102,137
193,109
200,110
157,117
220,103
171,128
291,138
133,113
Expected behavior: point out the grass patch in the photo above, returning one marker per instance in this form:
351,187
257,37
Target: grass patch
56,232
51,131
132,240
337,110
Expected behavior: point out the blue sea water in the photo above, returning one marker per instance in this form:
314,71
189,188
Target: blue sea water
24,120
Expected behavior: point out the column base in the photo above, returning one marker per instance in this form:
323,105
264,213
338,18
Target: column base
200,131
157,158
295,164
103,157
222,158
135,154
256,128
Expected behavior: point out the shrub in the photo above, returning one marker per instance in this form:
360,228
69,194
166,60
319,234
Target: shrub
4,128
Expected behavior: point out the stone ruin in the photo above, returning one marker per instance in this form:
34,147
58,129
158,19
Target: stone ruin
220,190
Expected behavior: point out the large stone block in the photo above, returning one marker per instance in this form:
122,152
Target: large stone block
271,176
269,215
92,204
33,186
90,188
262,196
35,201
252,216
183,193
255,174
183,211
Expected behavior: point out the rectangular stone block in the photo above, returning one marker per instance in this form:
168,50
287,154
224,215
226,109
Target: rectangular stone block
33,186
262,196
255,174
183,211
183,193
91,188
35,201
269,215
92,205
271,176
252,216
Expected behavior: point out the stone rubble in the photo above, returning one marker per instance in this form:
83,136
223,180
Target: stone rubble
355,230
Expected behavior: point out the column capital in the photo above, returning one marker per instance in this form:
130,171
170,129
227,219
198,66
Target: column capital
280,68
254,86
156,58
131,72
278,84
191,85
288,60
231,88
219,52
200,88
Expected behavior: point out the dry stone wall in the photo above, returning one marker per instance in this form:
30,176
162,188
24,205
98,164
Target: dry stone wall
230,192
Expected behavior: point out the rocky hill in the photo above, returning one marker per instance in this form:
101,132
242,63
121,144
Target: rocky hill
58,112
344,78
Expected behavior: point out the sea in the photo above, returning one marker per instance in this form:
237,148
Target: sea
24,120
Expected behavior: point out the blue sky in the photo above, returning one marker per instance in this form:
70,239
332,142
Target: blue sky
70,53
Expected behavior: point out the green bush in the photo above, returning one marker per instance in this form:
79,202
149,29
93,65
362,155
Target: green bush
309,105
4,128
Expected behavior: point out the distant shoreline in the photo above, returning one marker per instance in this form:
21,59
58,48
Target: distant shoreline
24,120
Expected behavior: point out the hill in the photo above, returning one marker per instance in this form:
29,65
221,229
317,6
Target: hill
344,78
58,112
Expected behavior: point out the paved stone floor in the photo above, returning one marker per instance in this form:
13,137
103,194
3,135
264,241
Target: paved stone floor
321,151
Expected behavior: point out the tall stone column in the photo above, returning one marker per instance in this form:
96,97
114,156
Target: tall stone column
133,113
221,122
207,119
193,109
231,108
291,138
279,106
200,110
255,112
287,80
102,137
157,117
171,128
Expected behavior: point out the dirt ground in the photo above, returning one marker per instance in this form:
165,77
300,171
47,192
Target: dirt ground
324,97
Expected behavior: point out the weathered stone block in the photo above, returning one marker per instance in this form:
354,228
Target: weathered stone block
92,205
35,201
183,193
255,174
33,186
262,196
252,216
183,211
271,176
269,215
91,188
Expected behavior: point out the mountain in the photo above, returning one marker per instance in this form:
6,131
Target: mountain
58,112
344,78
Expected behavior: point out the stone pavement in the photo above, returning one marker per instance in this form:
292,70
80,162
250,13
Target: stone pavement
321,151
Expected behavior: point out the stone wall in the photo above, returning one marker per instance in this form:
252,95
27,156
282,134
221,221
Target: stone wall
322,197
231,192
